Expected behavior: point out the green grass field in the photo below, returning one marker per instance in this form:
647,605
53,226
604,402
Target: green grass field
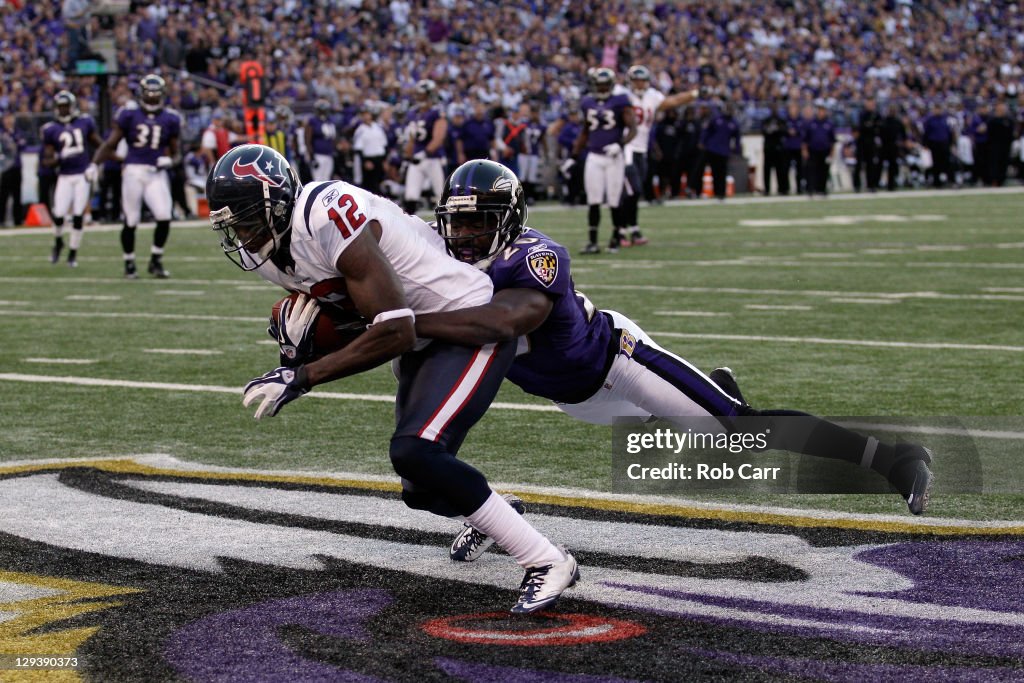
898,306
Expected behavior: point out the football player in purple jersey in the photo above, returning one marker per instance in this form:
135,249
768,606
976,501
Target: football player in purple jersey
599,365
64,148
321,136
152,131
608,124
426,132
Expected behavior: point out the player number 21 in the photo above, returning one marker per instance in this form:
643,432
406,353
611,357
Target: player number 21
351,220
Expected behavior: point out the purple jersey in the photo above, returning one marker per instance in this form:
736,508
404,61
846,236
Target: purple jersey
603,119
148,134
420,127
69,141
569,353
324,134
534,134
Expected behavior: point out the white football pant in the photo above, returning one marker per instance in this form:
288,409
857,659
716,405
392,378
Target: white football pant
141,182
602,178
428,173
71,196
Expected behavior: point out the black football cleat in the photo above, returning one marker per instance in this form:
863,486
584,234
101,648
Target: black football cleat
911,476
130,272
726,381
156,269
591,248
55,252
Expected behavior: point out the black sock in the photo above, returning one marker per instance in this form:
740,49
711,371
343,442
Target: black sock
76,222
810,435
128,239
162,232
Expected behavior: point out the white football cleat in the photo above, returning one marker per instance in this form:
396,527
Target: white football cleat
544,584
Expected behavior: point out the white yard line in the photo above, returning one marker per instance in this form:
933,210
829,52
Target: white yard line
140,316
828,294
185,352
778,307
694,314
92,297
499,405
841,300
843,342
61,361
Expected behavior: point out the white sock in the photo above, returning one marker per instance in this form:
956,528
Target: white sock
500,521
76,238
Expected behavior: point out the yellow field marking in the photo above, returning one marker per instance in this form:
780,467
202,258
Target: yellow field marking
724,512
21,635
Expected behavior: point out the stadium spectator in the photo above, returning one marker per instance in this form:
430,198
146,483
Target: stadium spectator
908,54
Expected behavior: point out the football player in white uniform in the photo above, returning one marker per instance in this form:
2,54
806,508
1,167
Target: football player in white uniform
647,103
341,245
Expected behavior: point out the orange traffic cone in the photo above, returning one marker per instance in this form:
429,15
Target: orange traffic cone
730,186
709,185
38,217
202,207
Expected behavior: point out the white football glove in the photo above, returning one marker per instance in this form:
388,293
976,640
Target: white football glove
164,162
419,156
274,389
296,323
91,173
612,150
566,168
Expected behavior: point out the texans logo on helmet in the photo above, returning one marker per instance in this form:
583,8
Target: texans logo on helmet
252,169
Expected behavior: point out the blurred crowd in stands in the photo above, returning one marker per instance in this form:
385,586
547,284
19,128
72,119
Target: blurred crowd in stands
921,91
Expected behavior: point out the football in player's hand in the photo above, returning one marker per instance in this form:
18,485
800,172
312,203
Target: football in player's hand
335,326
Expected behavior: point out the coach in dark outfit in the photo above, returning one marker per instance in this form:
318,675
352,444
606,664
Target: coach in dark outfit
868,134
1000,139
720,137
938,138
792,147
893,136
819,138
774,129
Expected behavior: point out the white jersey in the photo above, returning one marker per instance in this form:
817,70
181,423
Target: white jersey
645,107
326,219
